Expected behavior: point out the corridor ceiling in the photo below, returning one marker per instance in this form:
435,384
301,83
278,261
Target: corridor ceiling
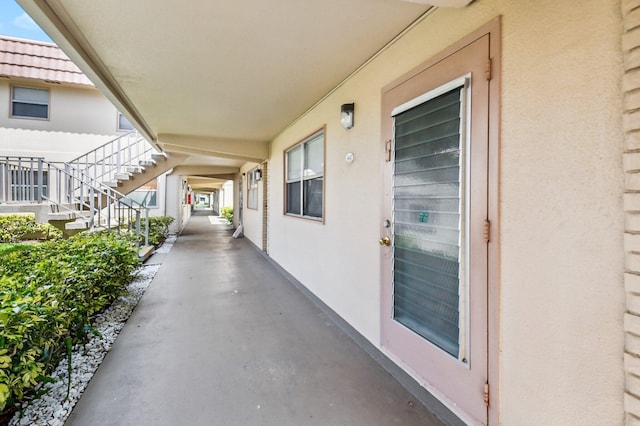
221,78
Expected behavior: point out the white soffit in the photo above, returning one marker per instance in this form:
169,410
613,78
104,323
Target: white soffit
240,69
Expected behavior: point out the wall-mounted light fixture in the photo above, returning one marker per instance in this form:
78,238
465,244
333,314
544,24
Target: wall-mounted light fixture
258,175
346,115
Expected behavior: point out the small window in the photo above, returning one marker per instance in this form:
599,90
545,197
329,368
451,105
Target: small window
28,102
123,123
304,175
252,189
147,194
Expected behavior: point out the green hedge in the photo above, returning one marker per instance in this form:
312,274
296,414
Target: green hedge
158,228
227,213
5,248
48,292
18,227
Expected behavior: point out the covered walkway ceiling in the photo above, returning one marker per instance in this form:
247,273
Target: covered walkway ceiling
216,78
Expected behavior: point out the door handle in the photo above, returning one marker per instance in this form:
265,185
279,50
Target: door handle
385,241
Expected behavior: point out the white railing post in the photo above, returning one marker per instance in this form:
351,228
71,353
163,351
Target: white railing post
40,181
34,179
92,210
59,188
146,226
118,159
3,178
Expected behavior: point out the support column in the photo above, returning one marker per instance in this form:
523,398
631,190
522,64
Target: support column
265,209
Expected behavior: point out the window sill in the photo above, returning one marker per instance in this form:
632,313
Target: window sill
307,218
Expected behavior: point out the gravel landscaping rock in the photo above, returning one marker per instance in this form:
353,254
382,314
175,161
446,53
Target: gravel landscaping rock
52,409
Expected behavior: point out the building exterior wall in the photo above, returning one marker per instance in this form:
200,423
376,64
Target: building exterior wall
161,208
175,201
631,127
252,218
561,292
561,267
226,194
238,199
80,119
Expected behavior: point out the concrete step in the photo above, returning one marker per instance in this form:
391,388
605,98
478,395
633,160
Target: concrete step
123,176
147,163
77,225
135,169
83,223
158,156
113,184
63,215
145,252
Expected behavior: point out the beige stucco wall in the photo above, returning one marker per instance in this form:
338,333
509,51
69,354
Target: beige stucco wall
562,258
80,119
561,183
252,218
161,208
226,194
174,201
176,189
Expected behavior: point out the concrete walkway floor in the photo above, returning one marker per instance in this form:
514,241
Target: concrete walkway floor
222,338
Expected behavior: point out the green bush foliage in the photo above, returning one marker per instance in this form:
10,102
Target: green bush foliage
17,227
9,247
48,292
227,213
158,228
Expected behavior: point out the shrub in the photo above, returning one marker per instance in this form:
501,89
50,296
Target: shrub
9,247
47,295
17,227
227,213
158,228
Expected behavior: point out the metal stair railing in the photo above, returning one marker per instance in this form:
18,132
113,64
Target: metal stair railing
107,161
34,180
22,179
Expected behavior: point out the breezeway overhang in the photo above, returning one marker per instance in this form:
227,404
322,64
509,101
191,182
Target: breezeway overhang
222,79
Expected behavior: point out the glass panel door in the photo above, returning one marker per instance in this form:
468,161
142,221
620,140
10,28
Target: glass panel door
436,123
428,203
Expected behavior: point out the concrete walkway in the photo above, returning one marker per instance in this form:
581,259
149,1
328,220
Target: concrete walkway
222,338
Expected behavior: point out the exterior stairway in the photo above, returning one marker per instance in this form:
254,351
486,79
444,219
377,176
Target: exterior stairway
88,192
58,195
125,163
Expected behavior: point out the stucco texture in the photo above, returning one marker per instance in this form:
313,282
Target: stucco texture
561,296
252,218
80,119
562,224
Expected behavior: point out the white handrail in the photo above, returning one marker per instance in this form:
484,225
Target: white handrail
32,179
111,159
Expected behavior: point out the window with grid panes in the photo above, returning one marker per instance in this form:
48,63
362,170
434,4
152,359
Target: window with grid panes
304,175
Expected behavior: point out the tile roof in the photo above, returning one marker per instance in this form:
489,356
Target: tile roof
38,60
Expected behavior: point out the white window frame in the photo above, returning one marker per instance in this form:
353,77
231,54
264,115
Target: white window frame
252,189
29,117
147,190
119,123
464,83
305,175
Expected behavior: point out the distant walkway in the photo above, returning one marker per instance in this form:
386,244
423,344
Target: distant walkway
221,338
